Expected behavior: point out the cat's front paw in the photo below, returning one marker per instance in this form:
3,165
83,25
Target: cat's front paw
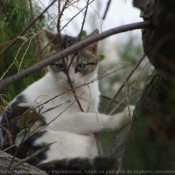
128,113
125,117
129,110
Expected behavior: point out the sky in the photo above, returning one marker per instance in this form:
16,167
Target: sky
120,12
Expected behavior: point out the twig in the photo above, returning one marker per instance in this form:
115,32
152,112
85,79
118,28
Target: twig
127,99
60,14
14,41
22,59
103,76
59,7
70,50
87,4
99,144
120,103
73,90
116,101
4,150
123,84
36,31
107,8
55,117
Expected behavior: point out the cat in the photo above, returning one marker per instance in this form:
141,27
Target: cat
48,112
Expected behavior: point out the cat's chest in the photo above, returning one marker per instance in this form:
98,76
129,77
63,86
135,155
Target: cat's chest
58,104
55,103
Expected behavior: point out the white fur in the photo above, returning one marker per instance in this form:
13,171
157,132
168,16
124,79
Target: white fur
70,130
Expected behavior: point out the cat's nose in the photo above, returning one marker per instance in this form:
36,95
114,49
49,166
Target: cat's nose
71,80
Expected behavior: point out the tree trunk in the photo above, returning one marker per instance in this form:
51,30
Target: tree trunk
151,145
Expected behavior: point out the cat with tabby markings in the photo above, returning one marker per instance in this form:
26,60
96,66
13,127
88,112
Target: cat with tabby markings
46,113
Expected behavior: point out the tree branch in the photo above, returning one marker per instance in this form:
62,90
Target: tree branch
72,49
24,168
121,87
116,101
107,8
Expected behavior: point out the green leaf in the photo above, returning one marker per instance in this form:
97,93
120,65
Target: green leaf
22,38
83,33
26,118
101,57
36,125
20,136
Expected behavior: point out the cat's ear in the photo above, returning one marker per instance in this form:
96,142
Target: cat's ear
55,39
94,46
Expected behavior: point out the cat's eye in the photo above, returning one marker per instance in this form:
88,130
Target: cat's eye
60,67
80,67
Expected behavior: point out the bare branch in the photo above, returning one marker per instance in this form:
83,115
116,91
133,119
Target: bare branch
123,84
84,18
25,168
117,146
122,101
60,12
116,101
107,8
127,99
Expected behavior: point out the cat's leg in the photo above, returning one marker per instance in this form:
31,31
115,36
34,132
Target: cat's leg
85,123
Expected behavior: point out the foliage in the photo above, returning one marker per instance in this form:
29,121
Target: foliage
101,57
131,51
14,17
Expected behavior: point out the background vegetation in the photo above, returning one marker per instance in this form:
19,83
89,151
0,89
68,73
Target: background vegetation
14,17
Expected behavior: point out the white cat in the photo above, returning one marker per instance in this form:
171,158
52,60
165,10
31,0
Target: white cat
68,128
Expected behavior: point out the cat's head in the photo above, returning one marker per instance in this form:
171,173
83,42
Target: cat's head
82,66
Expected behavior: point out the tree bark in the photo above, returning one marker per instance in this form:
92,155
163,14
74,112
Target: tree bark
23,168
151,145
